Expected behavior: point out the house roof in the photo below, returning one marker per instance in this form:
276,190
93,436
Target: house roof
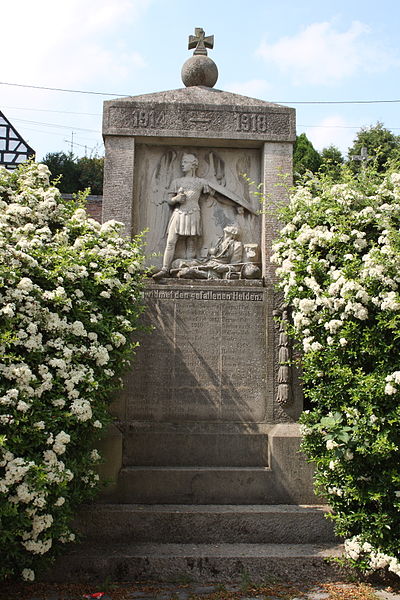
13,148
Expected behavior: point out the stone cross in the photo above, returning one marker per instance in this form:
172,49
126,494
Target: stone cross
199,42
363,156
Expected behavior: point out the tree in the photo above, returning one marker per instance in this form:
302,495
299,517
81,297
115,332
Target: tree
305,157
60,163
77,174
381,144
331,162
91,174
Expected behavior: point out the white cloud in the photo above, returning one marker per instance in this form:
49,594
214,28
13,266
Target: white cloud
332,130
253,88
322,55
67,43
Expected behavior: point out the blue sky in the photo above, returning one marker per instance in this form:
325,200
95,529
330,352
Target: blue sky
286,52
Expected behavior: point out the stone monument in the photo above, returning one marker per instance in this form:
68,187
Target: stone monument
210,386
206,421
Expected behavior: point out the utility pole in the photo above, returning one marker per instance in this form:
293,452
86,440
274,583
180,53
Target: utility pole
71,141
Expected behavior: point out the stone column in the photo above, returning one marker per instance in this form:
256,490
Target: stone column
118,180
277,178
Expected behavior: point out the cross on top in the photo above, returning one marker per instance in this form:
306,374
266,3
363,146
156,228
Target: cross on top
200,42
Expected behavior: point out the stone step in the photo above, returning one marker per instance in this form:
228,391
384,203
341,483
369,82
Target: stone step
207,485
160,448
195,562
282,524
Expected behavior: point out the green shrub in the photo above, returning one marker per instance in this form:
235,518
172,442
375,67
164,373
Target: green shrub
70,299
338,259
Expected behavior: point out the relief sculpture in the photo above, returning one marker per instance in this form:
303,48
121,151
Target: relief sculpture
229,257
284,379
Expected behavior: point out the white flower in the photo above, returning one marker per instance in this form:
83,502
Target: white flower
81,409
306,305
390,301
78,329
335,491
60,501
352,548
38,547
97,424
343,341
28,575
61,440
390,389
331,444
94,455
25,284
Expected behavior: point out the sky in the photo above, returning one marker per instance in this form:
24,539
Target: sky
306,54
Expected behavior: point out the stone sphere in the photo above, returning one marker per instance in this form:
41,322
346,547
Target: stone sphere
199,70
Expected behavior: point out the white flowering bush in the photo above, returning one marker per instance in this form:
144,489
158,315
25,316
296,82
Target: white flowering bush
338,258
70,298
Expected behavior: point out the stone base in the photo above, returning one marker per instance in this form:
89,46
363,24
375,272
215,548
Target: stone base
200,543
197,563
213,464
205,524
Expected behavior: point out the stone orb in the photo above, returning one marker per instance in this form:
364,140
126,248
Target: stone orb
199,70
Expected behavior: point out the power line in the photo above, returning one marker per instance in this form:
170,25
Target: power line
62,112
59,134
337,102
52,89
40,87
340,126
58,125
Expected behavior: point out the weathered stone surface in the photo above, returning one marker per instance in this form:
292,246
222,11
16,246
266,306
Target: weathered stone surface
199,562
157,171
110,447
199,70
157,446
208,348
206,524
201,113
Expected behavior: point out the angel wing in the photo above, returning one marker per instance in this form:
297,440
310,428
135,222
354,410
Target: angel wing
159,212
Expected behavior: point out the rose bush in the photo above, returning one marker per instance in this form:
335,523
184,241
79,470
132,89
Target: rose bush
70,299
338,258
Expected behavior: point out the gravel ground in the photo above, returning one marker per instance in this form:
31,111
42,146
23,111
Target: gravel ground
246,591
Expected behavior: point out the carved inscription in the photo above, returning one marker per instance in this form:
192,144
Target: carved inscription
148,118
204,360
238,296
198,117
251,122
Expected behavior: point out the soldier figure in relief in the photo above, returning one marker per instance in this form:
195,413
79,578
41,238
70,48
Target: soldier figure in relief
186,218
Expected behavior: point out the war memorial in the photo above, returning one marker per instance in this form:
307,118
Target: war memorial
207,478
